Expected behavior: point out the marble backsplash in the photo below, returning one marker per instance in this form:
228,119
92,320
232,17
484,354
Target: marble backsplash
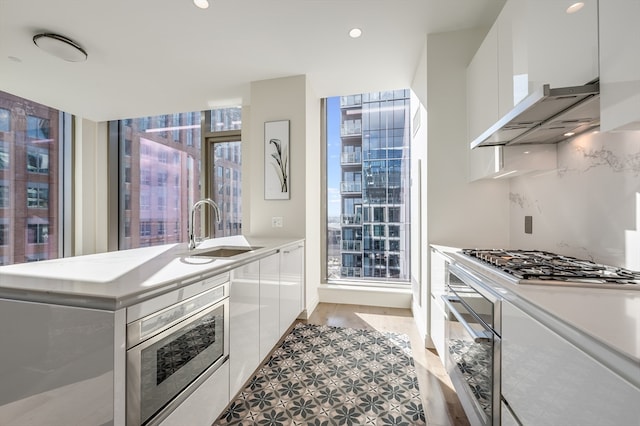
589,207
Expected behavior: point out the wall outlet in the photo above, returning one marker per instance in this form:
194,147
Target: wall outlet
276,222
528,224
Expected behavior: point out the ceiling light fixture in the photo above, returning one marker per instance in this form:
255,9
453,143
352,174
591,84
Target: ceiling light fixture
575,7
355,32
202,4
60,46
568,134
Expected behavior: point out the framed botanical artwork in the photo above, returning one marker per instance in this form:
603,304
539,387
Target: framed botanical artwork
276,160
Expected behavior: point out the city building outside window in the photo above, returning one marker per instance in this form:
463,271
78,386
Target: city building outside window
368,205
160,161
32,139
159,178
224,139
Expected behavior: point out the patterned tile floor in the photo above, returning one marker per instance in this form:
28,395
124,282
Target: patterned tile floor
324,375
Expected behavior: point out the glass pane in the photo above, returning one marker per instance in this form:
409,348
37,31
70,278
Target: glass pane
227,187
30,190
368,202
224,119
158,179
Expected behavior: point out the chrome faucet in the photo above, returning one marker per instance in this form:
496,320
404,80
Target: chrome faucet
192,240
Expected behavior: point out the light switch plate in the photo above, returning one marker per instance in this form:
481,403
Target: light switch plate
276,222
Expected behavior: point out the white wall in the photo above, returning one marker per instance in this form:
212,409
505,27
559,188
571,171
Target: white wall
289,98
589,207
273,100
454,212
419,198
461,214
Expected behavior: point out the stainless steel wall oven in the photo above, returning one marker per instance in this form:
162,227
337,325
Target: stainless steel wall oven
172,351
472,336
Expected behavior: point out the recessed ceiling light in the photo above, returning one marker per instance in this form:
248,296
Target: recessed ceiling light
202,4
60,46
355,32
575,7
569,134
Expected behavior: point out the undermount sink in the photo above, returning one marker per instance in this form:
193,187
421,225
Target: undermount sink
225,251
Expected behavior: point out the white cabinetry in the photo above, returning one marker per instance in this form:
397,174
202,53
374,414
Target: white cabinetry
548,381
531,43
203,407
562,47
620,65
291,284
482,86
437,289
244,324
269,303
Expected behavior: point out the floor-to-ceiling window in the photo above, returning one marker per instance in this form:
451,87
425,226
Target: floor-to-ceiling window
368,205
224,139
159,177
162,165
33,138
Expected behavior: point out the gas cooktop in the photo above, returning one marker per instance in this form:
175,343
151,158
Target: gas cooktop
541,267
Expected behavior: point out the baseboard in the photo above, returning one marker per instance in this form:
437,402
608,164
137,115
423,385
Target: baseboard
369,296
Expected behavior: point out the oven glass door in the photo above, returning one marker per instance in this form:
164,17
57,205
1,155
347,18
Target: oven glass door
169,362
472,346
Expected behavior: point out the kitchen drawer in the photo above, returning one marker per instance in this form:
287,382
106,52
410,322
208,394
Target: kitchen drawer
203,406
548,380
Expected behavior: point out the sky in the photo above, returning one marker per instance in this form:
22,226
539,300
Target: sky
333,156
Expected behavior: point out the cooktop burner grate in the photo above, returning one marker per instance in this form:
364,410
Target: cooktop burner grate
546,266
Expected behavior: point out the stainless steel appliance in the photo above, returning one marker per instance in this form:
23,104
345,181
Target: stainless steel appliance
472,336
172,351
545,268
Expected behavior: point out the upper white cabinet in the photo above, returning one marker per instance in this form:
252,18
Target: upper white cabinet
548,381
531,43
482,86
562,47
291,284
619,65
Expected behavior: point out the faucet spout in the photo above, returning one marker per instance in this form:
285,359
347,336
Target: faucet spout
209,201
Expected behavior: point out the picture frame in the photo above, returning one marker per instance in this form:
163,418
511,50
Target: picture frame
277,180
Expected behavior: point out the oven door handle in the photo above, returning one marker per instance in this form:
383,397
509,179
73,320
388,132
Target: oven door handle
478,336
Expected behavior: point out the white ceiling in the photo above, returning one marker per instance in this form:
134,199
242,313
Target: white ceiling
150,57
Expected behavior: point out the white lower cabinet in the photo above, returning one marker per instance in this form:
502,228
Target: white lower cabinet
203,406
244,324
437,312
291,288
269,303
549,381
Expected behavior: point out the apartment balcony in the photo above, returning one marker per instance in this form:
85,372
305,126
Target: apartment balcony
350,219
351,158
347,271
350,101
350,131
351,245
351,187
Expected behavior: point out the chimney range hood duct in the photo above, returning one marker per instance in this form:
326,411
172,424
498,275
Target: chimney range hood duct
545,116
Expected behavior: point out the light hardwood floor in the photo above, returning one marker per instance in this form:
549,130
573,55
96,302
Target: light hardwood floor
439,399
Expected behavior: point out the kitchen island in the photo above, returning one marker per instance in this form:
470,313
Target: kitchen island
63,323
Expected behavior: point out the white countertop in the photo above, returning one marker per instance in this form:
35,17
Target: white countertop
118,279
610,316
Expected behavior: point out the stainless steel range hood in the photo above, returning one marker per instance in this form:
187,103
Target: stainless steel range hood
546,116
